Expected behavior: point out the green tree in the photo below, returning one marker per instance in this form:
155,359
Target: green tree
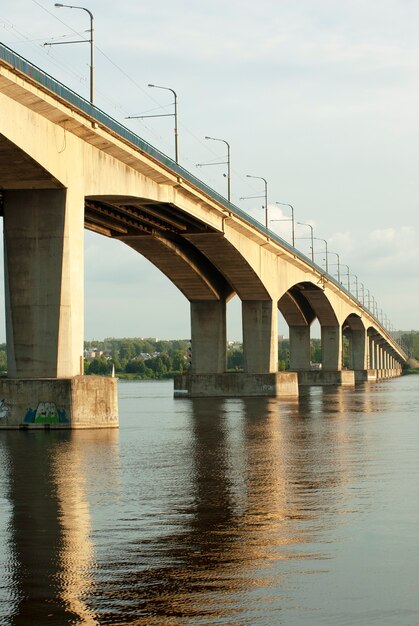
411,341
100,366
235,359
316,351
178,361
3,361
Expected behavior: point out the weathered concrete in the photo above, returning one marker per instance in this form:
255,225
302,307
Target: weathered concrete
365,375
208,337
299,348
232,384
358,349
43,232
79,402
331,337
320,378
260,336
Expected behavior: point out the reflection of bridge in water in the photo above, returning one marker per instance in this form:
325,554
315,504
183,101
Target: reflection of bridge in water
101,531
65,165
49,573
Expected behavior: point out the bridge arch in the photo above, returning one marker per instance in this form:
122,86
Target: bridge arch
300,305
353,329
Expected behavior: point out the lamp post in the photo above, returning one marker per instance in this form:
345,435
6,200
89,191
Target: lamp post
91,41
373,305
174,114
325,243
356,285
363,294
311,237
228,163
265,196
347,275
338,264
288,220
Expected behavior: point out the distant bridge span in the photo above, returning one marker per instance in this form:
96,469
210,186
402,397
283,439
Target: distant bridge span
65,165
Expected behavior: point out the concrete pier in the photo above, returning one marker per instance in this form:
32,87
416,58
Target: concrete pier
43,242
236,384
78,402
320,378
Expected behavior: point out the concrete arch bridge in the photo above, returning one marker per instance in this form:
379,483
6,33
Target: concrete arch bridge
66,166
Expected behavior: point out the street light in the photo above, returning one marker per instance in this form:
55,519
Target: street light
288,220
373,305
265,196
228,163
174,114
311,237
356,285
363,294
91,41
347,274
325,243
369,299
338,263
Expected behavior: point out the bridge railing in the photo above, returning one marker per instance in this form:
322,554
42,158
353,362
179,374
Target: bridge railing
33,72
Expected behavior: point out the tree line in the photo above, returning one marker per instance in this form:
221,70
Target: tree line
138,357
149,358
153,358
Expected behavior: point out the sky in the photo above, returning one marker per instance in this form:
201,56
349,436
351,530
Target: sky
320,97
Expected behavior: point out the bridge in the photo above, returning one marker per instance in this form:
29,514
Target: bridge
65,166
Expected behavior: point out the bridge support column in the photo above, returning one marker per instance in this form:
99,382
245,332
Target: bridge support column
371,364
378,356
208,335
380,360
299,348
331,337
359,352
260,336
260,347
331,372
360,355
43,248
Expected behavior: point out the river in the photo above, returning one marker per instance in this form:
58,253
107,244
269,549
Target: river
218,511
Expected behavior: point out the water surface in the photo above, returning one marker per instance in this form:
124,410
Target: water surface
222,511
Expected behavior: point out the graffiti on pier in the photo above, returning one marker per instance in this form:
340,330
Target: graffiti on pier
4,411
46,413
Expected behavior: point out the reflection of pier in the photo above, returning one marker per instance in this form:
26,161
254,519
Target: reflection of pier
52,553
249,468
249,489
